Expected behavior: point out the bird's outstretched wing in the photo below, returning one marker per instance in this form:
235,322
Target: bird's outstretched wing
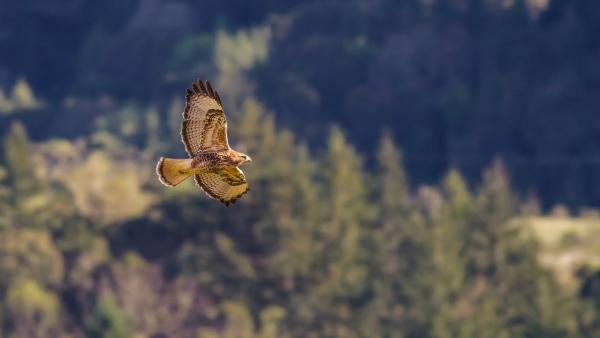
226,185
204,125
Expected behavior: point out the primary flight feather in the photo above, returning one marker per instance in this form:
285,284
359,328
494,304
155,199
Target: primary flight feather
212,162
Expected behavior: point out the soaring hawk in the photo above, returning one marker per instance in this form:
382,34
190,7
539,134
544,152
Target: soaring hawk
212,162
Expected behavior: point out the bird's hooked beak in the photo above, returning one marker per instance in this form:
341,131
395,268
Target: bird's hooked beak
245,158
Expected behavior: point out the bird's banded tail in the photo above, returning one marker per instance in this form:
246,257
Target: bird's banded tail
172,171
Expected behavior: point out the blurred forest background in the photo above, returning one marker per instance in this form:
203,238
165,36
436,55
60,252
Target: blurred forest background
422,168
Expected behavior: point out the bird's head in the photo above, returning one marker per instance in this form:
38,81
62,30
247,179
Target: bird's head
243,158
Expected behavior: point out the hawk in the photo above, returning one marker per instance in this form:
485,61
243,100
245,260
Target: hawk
212,162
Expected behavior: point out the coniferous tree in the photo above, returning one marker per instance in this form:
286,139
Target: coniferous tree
398,240
29,199
449,275
340,274
21,176
514,282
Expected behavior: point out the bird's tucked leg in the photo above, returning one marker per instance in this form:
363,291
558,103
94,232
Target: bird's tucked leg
172,171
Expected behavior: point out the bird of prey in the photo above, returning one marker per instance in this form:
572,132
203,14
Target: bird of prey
212,162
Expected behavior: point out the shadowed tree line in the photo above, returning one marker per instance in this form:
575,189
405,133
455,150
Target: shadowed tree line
456,82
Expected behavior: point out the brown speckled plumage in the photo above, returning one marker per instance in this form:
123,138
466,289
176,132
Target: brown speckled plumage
213,164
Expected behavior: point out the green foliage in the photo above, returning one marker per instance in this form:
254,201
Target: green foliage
32,202
29,255
129,126
21,98
240,324
96,179
322,247
192,55
19,164
401,248
108,320
242,50
346,214
32,310
237,54
392,183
